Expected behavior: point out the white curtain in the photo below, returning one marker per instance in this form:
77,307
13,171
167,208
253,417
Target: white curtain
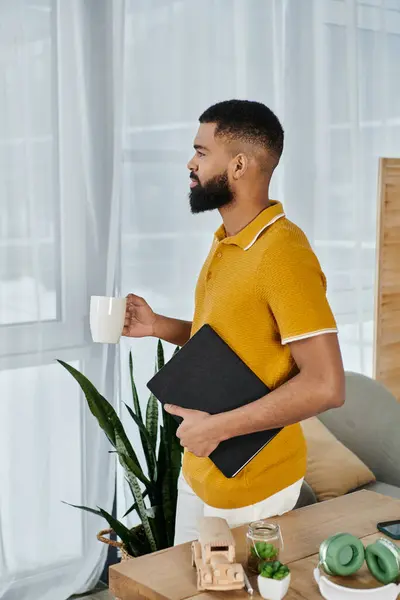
60,146
331,71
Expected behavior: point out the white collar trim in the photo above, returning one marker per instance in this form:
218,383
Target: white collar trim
264,228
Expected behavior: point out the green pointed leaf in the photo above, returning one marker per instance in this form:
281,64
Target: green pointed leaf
108,420
134,469
167,495
152,419
142,511
137,494
130,510
157,523
147,444
160,355
86,508
94,399
161,476
134,505
163,460
119,528
176,452
173,461
136,403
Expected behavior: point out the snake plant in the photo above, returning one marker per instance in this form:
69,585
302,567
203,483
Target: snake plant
154,485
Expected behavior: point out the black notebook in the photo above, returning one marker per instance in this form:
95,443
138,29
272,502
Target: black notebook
206,374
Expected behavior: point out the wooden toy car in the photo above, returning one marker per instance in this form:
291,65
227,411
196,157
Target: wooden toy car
213,555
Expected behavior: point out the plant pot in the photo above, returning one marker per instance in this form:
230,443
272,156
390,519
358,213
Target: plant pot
139,529
273,589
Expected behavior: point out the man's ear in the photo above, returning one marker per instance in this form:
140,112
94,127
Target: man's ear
239,166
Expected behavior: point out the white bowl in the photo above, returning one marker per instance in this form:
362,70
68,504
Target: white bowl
273,589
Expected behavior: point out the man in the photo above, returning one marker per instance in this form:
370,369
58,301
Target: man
262,289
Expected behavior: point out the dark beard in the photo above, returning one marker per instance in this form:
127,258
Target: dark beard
214,194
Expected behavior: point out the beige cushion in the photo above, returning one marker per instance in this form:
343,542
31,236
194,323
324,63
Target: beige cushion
332,469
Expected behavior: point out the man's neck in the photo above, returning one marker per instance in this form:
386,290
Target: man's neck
236,217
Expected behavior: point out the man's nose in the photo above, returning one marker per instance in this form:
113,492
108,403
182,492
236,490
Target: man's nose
192,164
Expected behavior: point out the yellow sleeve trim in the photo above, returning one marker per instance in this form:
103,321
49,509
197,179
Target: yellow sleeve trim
304,336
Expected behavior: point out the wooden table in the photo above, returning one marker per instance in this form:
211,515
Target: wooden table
168,574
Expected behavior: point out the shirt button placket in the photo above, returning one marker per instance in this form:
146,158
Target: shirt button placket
217,254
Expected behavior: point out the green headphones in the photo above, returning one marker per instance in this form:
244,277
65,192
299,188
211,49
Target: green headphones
344,554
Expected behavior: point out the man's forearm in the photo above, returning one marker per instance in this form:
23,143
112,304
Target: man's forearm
294,401
175,331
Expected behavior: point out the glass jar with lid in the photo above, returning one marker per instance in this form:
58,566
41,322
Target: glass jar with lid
264,544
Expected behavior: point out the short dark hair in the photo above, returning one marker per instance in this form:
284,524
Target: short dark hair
248,121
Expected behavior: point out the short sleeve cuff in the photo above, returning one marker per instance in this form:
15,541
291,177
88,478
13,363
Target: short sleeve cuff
303,336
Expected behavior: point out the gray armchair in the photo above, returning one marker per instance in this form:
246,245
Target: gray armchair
369,425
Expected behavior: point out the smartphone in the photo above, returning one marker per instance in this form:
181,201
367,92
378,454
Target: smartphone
390,528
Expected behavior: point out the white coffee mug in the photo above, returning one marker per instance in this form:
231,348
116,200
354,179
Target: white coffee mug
107,317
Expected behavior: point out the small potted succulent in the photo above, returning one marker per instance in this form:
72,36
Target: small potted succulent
273,580
260,553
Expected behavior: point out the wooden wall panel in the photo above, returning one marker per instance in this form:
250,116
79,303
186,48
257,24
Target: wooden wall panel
387,297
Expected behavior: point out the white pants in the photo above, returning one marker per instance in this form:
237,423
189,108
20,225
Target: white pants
191,509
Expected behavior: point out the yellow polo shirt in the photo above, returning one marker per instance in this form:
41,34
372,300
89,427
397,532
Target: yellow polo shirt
259,290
